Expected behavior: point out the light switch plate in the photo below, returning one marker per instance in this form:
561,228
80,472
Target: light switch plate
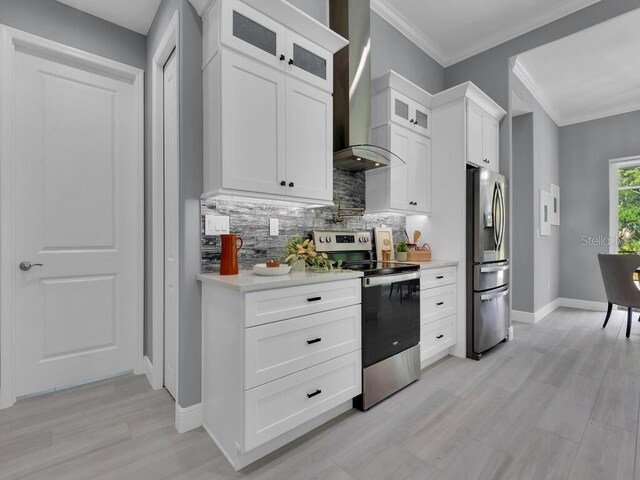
216,224
274,229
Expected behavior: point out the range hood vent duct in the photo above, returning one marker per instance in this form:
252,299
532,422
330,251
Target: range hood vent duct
352,90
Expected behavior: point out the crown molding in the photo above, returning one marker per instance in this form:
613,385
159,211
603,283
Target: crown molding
409,30
598,114
530,84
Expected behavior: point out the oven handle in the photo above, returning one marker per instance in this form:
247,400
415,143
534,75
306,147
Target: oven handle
390,279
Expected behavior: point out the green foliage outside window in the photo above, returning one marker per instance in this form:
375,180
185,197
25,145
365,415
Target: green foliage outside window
629,209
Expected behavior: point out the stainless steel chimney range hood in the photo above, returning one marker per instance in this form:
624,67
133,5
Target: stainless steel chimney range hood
352,90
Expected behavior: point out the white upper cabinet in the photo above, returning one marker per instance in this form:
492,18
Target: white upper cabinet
268,113
405,187
483,137
402,125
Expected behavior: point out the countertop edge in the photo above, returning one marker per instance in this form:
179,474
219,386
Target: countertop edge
271,283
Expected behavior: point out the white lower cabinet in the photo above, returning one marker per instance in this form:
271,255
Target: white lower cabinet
277,363
279,406
438,312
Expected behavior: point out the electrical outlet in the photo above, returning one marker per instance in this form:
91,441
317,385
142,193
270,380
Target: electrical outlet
273,227
216,225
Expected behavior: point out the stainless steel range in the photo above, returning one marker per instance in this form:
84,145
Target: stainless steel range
390,315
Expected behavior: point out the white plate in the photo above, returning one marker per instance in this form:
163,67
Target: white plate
262,269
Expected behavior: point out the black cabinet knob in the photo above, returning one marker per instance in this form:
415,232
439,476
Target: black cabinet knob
291,61
291,184
439,336
411,121
315,340
282,57
283,183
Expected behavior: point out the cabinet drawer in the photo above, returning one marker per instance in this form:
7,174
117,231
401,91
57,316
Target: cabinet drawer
277,407
282,348
273,305
436,277
436,336
436,303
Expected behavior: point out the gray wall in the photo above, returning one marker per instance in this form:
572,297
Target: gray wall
63,24
190,58
585,151
522,258
390,50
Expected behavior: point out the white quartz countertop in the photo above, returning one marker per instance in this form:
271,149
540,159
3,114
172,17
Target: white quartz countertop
247,281
434,264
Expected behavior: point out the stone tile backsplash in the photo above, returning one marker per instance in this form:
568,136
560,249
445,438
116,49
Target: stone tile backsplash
250,220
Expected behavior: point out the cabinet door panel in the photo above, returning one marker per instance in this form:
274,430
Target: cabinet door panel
475,120
253,109
491,133
402,109
309,163
422,120
420,179
253,33
309,62
400,142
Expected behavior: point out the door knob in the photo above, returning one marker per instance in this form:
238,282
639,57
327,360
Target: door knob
26,266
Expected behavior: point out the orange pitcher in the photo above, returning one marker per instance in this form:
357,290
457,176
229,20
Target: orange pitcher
229,255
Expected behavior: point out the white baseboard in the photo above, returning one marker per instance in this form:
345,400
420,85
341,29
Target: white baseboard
148,370
188,418
583,304
511,332
528,317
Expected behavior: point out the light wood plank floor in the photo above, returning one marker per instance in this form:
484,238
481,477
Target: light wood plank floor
559,402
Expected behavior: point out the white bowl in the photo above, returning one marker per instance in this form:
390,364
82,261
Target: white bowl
262,269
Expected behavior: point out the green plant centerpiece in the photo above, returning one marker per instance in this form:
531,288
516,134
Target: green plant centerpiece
302,253
401,251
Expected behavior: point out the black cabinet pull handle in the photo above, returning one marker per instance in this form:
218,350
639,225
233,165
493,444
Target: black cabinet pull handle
311,395
314,299
291,184
440,303
283,183
315,340
439,277
282,57
291,61
439,336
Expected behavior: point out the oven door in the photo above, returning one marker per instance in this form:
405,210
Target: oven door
390,315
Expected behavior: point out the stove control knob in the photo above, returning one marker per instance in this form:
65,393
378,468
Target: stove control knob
329,240
321,239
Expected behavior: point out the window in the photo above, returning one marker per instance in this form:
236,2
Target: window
625,206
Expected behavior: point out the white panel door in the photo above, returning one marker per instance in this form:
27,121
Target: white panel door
475,120
420,169
74,165
253,109
400,141
171,226
309,165
491,135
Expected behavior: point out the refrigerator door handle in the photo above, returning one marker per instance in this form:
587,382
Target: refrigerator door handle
498,268
502,216
494,205
493,296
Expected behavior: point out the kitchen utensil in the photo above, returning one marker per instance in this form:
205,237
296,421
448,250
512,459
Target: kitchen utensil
416,236
263,270
231,244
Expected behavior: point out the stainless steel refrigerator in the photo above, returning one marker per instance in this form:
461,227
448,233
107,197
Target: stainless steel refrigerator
487,261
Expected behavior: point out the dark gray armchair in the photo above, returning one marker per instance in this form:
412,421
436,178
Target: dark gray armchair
617,275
